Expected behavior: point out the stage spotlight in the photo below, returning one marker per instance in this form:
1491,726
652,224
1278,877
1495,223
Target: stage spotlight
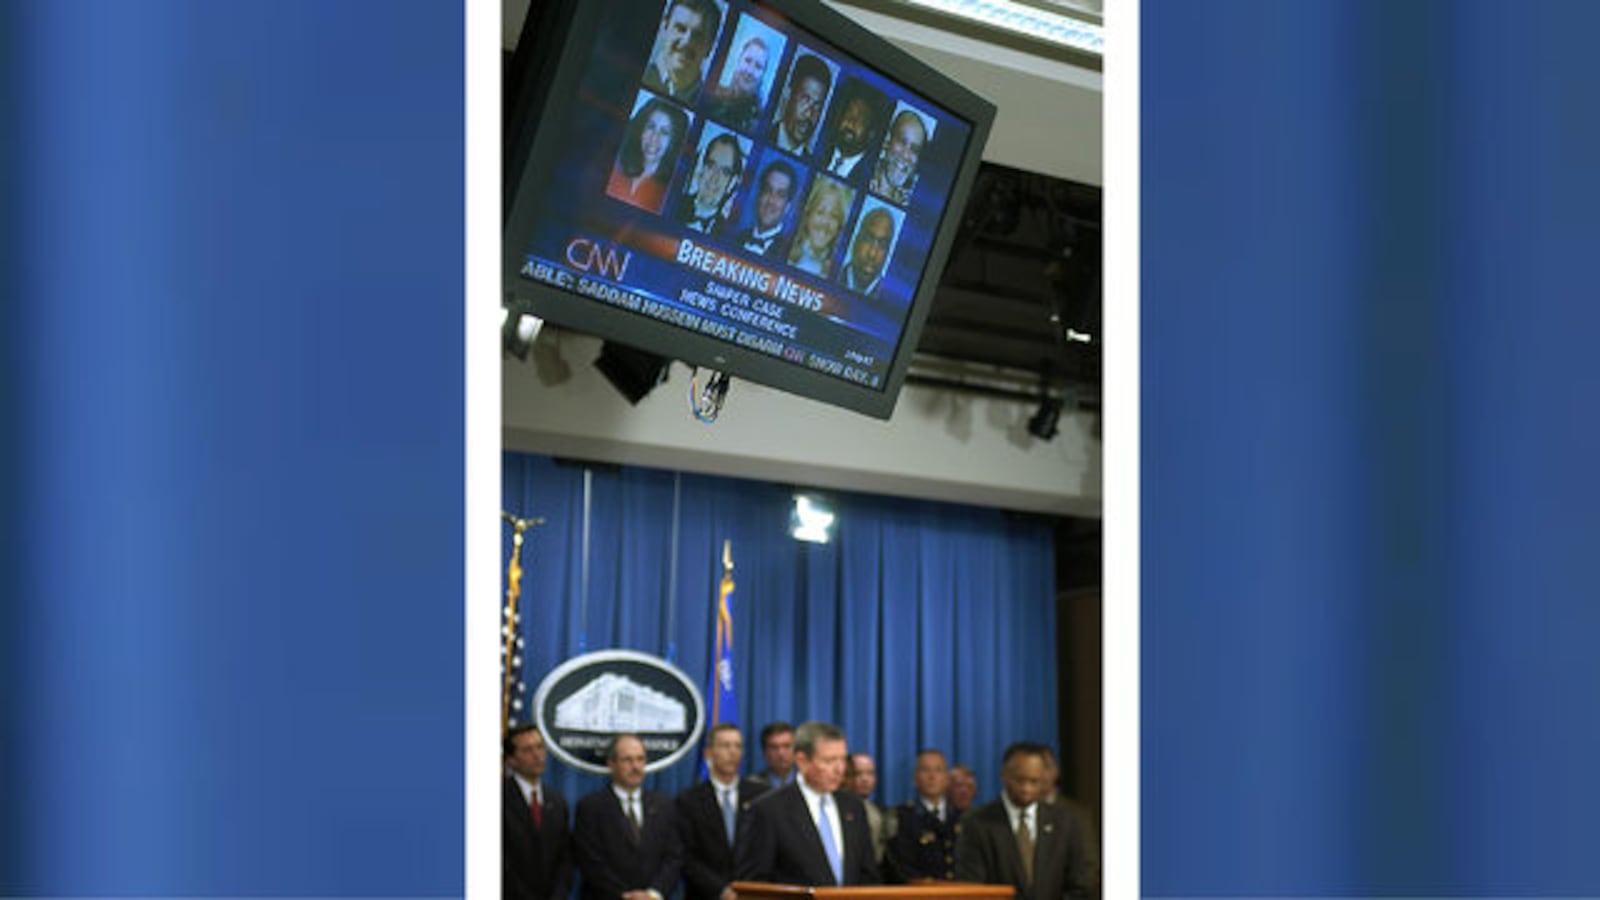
1044,422
811,520
632,372
518,328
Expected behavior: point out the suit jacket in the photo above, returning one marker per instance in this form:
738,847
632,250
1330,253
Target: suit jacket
1084,818
878,824
772,780
708,860
655,81
777,249
922,846
986,851
535,863
609,859
683,211
783,845
859,170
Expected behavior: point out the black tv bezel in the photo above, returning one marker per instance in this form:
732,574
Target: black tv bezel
543,78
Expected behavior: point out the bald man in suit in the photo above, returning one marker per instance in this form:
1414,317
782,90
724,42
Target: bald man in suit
616,858
787,839
995,837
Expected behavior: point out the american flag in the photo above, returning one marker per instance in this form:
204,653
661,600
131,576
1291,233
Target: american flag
513,690
724,701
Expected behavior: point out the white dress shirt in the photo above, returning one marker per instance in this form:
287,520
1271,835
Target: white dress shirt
814,804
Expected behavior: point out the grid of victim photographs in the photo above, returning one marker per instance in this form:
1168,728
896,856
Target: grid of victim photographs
748,135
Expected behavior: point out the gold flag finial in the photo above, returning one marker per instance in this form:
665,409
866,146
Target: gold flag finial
727,556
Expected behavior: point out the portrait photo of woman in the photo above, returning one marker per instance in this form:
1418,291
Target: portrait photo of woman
821,222
650,145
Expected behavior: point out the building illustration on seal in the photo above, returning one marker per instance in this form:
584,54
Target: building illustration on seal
616,703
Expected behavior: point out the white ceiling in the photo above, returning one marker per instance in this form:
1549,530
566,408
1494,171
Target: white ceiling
1050,113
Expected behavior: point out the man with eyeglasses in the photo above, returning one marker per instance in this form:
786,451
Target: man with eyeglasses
625,838
704,207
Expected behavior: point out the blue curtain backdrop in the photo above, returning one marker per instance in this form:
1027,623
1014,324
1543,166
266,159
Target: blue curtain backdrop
922,624
1370,596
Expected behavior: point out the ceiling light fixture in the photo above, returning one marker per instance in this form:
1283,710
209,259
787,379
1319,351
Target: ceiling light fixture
1019,18
811,520
518,328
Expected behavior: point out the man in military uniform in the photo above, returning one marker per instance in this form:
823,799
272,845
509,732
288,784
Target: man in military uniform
924,843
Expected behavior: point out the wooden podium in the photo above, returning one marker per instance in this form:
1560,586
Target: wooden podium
927,890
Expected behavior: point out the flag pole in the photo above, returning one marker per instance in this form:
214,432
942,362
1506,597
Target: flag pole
724,644
719,686
513,593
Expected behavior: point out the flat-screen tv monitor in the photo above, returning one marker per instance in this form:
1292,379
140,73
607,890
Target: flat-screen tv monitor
760,187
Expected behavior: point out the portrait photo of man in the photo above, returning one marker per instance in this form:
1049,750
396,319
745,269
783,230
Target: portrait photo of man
684,39
705,203
739,93
896,173
805,98
859,114
871,247
769,207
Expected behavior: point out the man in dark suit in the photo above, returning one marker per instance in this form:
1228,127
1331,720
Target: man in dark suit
534,862
704,206
1081,815
712,813
1019,841
626,839
858,127
809,832
963,788
683,41
869,252
924,843
774,197
861,778
777,748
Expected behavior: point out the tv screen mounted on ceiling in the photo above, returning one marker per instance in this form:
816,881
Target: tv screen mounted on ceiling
761,187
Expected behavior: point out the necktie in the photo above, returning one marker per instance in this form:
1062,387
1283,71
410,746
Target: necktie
633,817
537,808
727,813
1025,847
835,858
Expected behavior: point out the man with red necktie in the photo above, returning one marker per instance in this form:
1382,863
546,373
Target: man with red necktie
535,863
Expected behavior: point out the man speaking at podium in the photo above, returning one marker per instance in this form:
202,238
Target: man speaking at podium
809,832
